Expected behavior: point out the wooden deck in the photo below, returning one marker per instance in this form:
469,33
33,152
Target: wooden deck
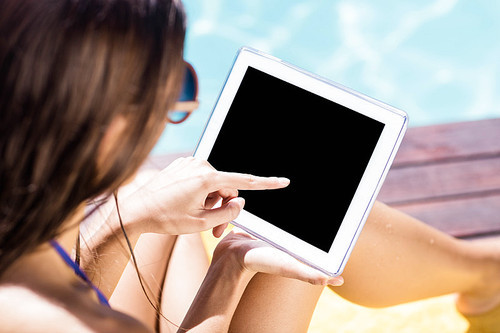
449,177
445,175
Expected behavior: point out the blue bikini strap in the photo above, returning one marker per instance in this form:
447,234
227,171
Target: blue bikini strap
78,271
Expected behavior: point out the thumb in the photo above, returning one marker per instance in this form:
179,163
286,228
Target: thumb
227,212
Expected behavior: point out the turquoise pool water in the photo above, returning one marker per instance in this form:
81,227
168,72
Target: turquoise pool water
437,60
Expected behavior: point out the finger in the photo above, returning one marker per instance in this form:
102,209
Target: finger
219,230
225,213
211,200
312,275
227,193
224,194
247,182
261,256
270,260
336,281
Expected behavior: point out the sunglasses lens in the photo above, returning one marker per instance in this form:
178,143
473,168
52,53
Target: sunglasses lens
188,94
189,86
177,116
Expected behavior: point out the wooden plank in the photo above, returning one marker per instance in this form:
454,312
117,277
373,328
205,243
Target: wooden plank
469,178
445,175
464,218
449,177
455,141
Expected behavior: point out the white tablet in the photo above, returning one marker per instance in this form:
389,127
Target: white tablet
334,144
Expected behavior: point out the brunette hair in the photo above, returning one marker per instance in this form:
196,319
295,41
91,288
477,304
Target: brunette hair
68,68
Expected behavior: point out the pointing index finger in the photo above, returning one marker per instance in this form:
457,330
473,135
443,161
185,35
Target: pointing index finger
243,181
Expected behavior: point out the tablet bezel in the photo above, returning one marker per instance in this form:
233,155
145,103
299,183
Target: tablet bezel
395,121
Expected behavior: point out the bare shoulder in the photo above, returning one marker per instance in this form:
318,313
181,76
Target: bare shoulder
24,310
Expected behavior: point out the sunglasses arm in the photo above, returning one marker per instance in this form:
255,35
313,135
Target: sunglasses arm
187,106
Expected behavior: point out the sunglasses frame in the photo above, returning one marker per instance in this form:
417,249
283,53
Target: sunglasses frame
186,106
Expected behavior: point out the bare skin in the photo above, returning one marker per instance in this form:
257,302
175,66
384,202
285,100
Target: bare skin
44,282
37,285
405,262
397,259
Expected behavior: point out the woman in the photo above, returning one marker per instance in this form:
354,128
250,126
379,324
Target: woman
84,87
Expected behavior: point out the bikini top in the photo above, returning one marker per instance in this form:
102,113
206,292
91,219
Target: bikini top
78,271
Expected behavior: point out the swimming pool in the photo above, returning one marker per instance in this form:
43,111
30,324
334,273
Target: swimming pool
437,60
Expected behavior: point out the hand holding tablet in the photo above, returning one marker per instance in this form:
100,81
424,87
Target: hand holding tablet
335,145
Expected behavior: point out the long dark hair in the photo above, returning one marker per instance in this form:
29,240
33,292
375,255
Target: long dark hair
68,68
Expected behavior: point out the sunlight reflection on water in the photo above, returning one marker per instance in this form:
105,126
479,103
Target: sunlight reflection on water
437,60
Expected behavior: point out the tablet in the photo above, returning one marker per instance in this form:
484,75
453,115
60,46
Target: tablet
334,144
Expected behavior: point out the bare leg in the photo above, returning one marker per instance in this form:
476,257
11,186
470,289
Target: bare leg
187,267
269,304
399,259
275,304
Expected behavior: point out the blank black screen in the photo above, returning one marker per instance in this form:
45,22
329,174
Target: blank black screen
274,128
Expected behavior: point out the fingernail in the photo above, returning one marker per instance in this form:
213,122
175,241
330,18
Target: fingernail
283,181
239,201
336,281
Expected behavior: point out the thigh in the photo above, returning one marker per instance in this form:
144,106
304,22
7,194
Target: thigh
186,270
276,304
269,304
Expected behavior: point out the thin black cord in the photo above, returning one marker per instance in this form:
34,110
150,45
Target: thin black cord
139,276
77,248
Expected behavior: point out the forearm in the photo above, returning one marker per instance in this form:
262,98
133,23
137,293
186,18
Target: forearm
153,252
213,307
104,248
107,257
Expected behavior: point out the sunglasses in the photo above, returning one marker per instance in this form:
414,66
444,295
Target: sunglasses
188,99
